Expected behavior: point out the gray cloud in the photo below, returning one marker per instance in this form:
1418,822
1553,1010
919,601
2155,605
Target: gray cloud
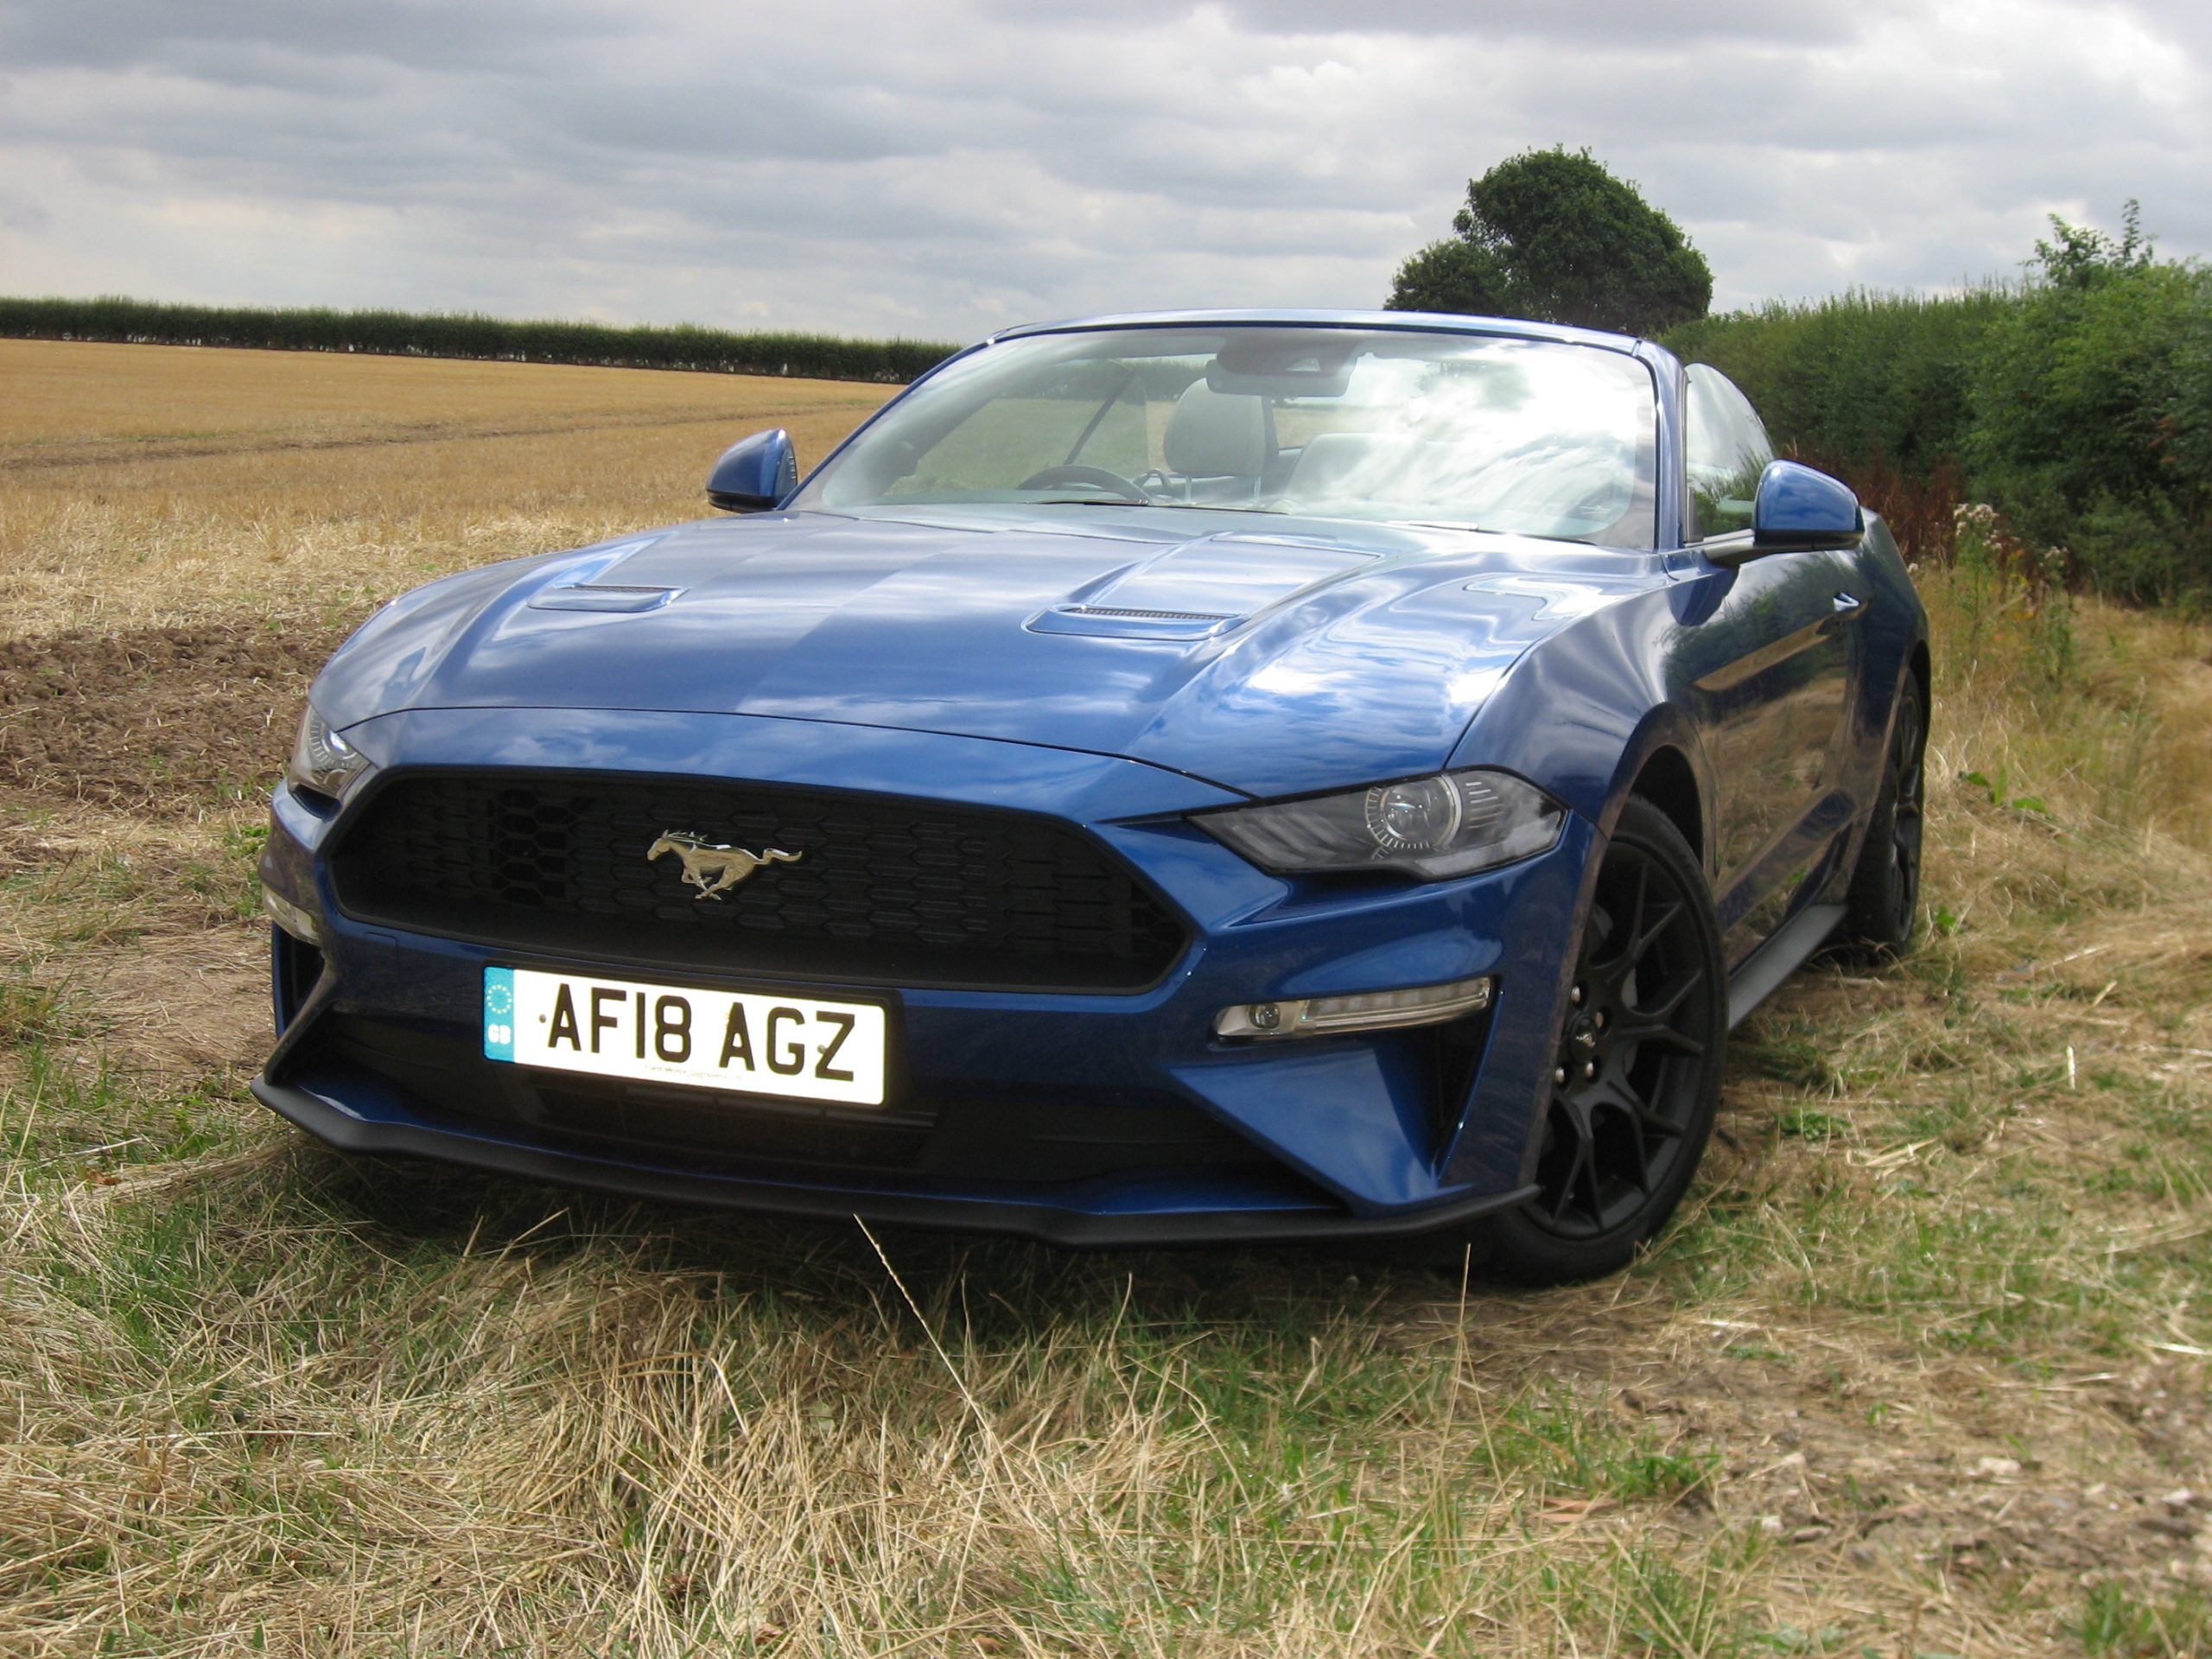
1573,21
215,38
883,167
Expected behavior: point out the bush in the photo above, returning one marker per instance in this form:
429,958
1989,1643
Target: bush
1860,378
1872,387
2078,403
2090,408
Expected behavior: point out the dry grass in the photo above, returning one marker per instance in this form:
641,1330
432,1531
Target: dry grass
1923,1370
69,402
141,484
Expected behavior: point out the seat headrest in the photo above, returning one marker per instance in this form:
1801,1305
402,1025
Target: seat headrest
1215,434
1335,465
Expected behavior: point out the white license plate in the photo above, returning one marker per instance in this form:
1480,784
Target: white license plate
748,1042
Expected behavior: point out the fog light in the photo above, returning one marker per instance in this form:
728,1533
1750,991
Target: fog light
289,917
1313,1016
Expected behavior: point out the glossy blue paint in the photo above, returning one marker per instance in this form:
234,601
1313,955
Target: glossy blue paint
755,473
1357,651
944,654
1800,510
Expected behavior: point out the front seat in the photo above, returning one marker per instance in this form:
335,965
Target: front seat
1217,442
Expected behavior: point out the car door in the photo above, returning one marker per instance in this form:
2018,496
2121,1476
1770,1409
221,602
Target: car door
1770,670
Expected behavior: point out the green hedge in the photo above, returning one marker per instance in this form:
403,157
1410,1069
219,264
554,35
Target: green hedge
2078,402
404,333
1859,376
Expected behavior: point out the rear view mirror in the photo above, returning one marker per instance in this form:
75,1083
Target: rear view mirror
1284,364
1801,511
755,473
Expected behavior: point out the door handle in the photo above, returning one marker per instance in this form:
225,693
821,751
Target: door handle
1847,605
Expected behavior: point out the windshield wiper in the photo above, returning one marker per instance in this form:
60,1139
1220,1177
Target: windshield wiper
1125,501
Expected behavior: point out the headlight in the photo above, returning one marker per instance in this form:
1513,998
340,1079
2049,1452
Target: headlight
322,761
1451,824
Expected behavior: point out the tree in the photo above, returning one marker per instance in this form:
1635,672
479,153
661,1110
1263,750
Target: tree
1551,235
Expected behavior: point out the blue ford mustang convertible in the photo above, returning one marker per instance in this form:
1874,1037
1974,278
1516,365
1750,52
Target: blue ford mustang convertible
1163,778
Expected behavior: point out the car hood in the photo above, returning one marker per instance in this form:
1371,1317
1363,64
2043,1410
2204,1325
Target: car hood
1270,658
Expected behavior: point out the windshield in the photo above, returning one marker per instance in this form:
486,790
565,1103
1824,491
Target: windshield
1536,437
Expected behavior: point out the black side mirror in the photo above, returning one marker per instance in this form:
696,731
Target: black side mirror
755,473
1800,510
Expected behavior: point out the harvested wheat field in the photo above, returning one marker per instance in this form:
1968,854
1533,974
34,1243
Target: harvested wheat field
1922,1370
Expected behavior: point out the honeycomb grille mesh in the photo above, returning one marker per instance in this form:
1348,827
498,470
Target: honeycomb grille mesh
882,890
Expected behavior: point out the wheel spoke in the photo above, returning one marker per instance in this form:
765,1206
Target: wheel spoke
1633,948
1580,1162
1629,951
1643,1155
1644,941
1905,833
1663,1007
1590,1184
1656,1031
1908,776
1630,1106
1654,1123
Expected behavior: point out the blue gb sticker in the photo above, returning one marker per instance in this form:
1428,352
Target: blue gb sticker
499,1014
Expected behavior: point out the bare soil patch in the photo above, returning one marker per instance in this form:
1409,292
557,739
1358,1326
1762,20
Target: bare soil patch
155,719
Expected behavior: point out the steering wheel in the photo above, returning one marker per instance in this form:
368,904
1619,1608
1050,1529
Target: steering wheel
1097,477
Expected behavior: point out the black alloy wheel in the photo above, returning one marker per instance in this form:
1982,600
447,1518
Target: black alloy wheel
1636,1072
1882,910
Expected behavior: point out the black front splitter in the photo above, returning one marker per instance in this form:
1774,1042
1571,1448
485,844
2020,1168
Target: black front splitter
339,1129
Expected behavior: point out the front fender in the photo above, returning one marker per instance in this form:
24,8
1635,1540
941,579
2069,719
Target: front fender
1579,710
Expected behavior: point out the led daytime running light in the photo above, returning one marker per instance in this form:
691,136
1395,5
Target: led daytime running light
289,917
1316,1016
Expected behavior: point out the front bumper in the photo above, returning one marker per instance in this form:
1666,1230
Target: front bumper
348,1131
1084,1119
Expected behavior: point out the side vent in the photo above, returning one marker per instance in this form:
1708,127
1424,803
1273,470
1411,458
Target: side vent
295,967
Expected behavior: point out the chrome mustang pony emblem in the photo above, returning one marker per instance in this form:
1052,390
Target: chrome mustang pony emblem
711,868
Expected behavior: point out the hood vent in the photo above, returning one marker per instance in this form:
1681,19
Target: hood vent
1131,622
1156,616
591,596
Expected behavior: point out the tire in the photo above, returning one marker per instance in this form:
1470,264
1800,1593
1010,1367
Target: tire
1882,909
1637,1077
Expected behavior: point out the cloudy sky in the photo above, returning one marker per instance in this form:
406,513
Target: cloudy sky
940,168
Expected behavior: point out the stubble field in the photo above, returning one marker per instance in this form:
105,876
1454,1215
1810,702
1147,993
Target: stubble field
1923,1370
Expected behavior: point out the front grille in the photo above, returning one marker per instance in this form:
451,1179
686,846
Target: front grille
883,891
